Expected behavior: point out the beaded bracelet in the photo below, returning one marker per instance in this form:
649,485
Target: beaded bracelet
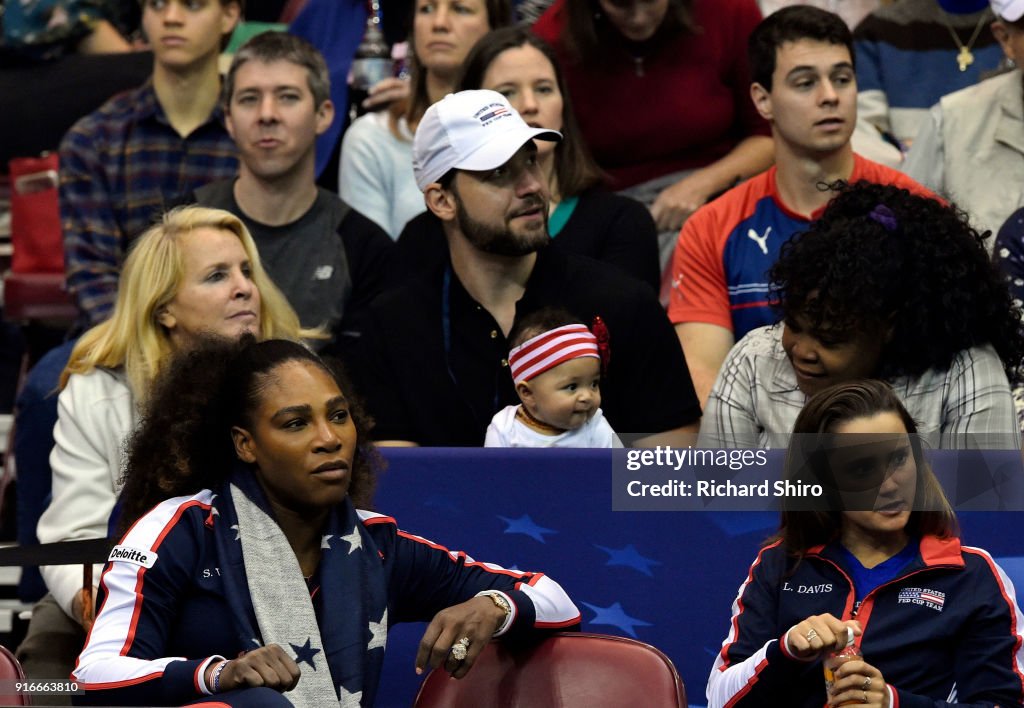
216,675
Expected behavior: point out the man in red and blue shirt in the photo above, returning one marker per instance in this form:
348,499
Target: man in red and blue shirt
805,86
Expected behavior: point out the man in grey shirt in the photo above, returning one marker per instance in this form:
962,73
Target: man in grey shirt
328,259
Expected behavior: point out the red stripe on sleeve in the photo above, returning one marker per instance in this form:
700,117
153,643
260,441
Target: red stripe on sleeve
137,610
750,684
735,631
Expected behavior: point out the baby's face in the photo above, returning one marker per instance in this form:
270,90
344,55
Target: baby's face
566,396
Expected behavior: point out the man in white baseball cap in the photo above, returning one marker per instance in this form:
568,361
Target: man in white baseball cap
1009,10
431,360
469,130
476,140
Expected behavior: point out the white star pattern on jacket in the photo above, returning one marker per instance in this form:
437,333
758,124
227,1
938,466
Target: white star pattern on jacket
379,632
354,541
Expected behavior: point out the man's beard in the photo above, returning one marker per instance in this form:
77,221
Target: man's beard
501,241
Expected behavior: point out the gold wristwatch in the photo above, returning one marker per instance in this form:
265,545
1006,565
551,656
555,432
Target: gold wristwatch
499,600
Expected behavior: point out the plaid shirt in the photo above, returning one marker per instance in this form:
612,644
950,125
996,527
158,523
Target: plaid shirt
119,166
755,399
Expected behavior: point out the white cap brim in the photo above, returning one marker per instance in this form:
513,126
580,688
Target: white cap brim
490,155
496,153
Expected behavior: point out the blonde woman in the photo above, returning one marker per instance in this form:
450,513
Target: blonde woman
196,273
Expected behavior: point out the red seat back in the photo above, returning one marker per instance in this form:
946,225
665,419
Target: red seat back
568,670
10,670
34,288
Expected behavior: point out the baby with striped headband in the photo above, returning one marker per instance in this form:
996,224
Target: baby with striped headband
556,365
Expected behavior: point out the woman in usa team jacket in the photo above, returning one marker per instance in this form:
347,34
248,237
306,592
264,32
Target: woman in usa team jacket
937,622
249,577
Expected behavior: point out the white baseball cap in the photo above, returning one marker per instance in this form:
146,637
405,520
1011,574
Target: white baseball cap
469,130
1009,10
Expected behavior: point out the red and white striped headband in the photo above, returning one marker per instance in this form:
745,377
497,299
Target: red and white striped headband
545,351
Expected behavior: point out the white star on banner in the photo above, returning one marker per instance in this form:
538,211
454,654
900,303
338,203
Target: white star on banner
325,542
238,534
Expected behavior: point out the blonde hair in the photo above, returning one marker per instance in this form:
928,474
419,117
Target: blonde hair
133,338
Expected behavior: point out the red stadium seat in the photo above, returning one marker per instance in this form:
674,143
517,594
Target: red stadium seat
568,670
10,670
34,286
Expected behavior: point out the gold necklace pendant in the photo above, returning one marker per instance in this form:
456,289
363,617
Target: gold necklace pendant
964,58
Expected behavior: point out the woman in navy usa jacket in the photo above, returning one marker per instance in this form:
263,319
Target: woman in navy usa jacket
937,622
249,577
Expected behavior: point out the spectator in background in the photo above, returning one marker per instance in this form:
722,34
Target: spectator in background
328,259
376,153
971,146
1009,254
661,89
336,28
439,343
881,550
196,272
49,29
909,55
583,218
889,285
121,164
805,86
852,11
1009,258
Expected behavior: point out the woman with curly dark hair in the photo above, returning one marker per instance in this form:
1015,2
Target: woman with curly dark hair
884,285
255,574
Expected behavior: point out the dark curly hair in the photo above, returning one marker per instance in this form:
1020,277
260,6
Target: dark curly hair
882,259
183,442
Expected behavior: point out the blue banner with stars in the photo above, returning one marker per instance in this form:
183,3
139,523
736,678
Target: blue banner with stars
665,578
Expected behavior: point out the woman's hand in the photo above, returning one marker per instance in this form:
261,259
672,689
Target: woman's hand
477,619
386,91
83,608
267,666
859,683
820,633
675,203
